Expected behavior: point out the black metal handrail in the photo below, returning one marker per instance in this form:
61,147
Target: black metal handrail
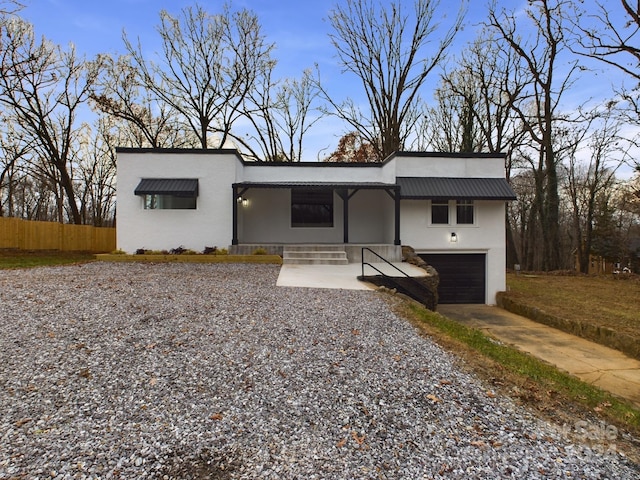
420,285
381,258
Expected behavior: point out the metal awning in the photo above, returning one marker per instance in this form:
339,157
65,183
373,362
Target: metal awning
312,185
445,188
179,187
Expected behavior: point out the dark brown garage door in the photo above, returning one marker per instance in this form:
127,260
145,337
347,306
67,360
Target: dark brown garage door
462,276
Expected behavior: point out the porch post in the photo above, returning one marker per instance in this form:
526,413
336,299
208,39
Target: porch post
234,206
344,195
396,191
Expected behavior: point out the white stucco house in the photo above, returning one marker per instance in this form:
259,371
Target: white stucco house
449,207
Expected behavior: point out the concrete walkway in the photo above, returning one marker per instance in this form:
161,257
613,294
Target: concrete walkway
338,276
598,365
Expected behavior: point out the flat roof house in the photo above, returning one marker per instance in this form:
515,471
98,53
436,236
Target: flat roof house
449,207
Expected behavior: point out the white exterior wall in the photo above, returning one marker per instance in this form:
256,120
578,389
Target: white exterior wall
464,167
486,235
209,225
267,219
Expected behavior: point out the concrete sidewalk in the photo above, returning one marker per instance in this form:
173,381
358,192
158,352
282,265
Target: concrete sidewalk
338,276
598,365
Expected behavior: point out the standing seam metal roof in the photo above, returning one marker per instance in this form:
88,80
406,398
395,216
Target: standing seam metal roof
181,187
455,188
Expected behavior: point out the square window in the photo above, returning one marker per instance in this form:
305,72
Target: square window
439,213
311,207
464,212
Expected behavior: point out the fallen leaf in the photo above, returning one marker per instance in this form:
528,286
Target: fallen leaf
153,381
433,398
216,416
445,382
21,422
359,440
341,443
478,443
490,394
355,331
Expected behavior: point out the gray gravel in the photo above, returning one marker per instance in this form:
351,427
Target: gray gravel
211,371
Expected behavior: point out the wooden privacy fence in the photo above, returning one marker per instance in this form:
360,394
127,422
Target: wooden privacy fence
34,235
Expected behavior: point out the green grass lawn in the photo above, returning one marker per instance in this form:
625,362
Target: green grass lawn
28,259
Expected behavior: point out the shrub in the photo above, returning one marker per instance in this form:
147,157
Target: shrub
141,251
222,251
210,250
178,250
259,251
118,252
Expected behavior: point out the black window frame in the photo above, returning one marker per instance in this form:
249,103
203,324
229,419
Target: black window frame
439,212
465,212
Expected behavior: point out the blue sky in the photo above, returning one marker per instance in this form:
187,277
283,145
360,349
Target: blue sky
299,28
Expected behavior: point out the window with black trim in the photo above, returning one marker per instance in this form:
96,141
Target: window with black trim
168,202
439,212
464,212
311,207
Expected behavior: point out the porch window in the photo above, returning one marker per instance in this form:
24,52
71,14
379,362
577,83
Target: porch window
439,212
464,212
311,207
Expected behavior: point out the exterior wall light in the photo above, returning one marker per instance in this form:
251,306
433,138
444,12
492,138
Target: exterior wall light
454,237
245,202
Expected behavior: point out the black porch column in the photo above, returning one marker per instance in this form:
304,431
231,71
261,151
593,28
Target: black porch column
234,204
396,192
344,195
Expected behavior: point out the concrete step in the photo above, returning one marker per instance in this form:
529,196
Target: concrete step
314,248
314,255
314,261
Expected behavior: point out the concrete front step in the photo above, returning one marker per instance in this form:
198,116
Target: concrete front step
314,261
314,248
314,255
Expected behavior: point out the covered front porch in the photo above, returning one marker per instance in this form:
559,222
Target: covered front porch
273,215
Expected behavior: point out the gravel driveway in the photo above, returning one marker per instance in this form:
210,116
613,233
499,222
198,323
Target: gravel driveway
112,370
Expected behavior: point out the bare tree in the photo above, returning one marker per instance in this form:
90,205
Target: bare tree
97,174
393,53
121,93
537,105
44,87
589,179
12,158
281,114
612,35
208,65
